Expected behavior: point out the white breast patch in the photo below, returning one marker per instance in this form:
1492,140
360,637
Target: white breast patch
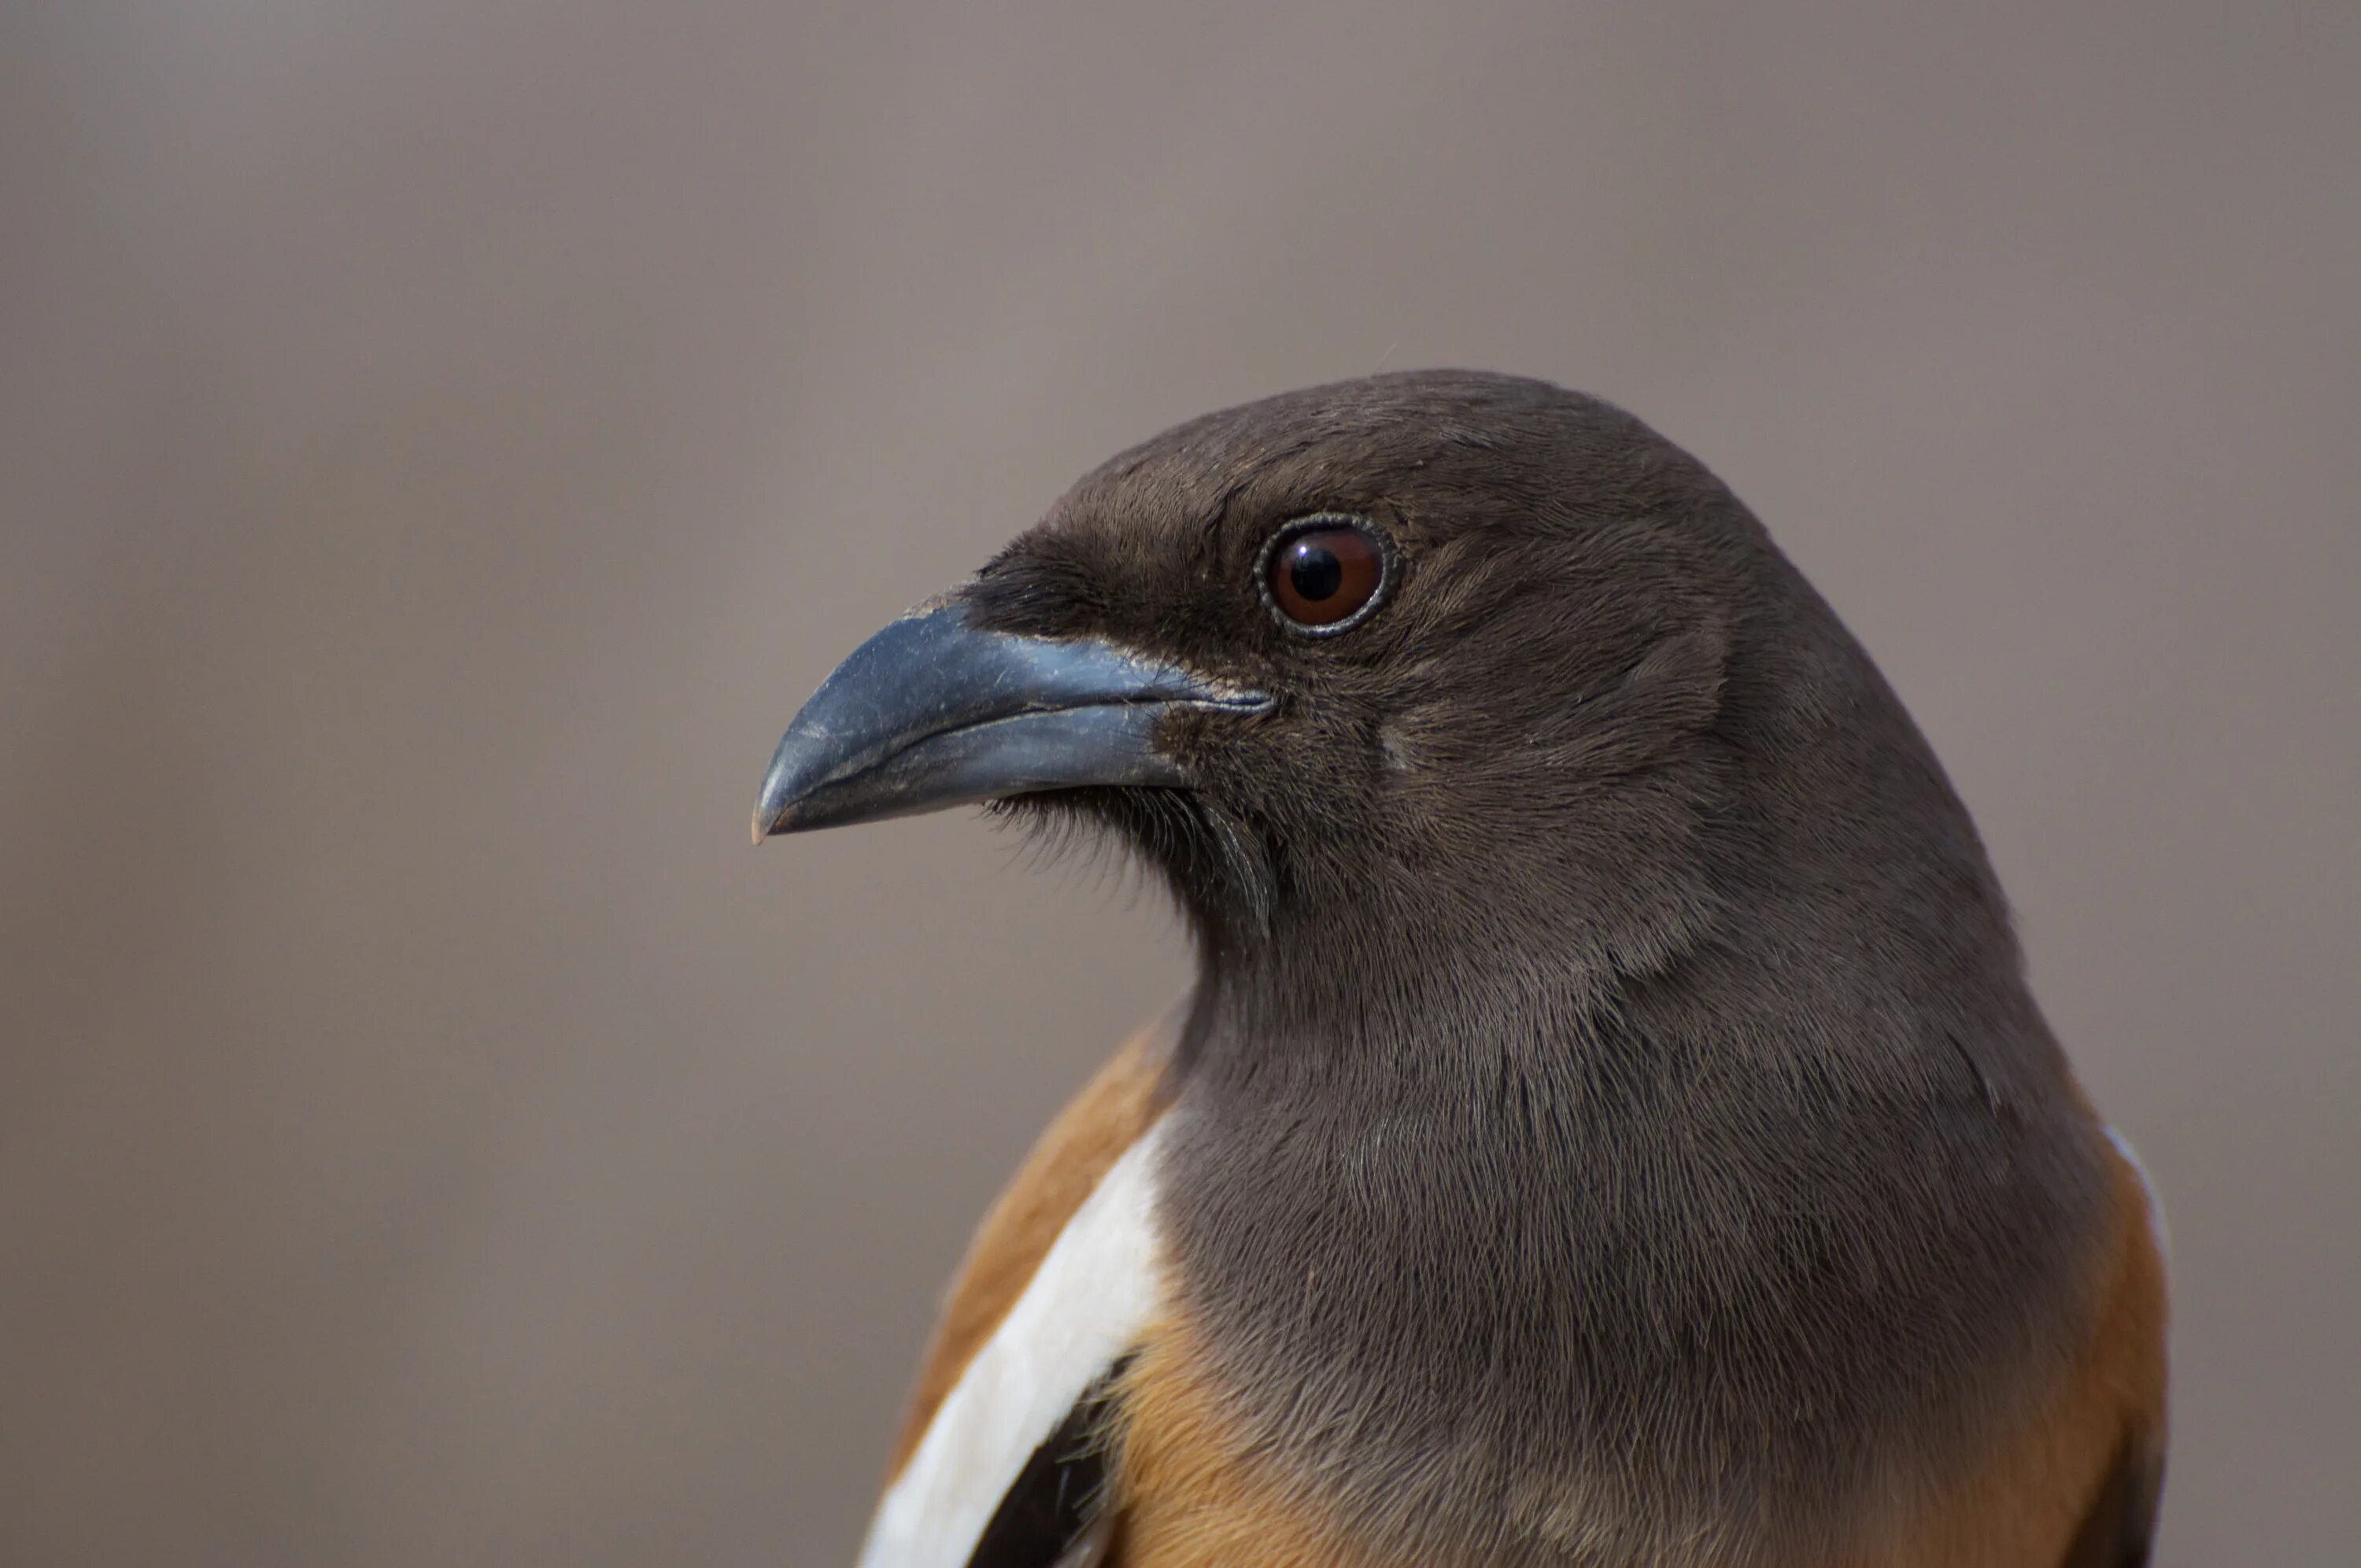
1095,1292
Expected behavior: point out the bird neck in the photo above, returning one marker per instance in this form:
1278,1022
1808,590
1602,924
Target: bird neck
1484,1210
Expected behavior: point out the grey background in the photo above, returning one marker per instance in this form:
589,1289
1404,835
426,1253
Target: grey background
441,443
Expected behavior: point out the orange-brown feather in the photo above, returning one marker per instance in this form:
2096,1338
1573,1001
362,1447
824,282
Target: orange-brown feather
1079,1146
2026,1505
1187,1493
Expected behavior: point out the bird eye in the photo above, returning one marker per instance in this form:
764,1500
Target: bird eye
1322,574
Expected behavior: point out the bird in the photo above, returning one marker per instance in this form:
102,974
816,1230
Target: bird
1609,1125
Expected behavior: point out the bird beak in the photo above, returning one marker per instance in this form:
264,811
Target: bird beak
935,711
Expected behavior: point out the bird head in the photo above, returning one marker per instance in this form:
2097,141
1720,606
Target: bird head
1427,669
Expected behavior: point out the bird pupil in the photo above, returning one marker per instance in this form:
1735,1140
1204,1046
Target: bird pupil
1315,572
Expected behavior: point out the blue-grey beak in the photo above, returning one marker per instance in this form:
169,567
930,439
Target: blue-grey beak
935,711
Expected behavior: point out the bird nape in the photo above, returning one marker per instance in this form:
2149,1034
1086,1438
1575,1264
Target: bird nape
1610,1124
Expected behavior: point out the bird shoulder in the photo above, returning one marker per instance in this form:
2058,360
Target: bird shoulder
1057,1286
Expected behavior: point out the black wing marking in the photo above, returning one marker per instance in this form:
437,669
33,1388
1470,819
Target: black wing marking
1050,1515
2120,1527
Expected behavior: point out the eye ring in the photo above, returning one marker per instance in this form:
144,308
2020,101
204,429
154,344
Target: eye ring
1267,559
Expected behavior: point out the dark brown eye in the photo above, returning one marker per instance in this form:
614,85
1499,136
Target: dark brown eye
1323,574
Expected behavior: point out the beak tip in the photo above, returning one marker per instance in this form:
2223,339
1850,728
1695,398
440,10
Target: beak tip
770,818
777,801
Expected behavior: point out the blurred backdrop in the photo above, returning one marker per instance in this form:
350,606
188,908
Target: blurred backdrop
440,443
